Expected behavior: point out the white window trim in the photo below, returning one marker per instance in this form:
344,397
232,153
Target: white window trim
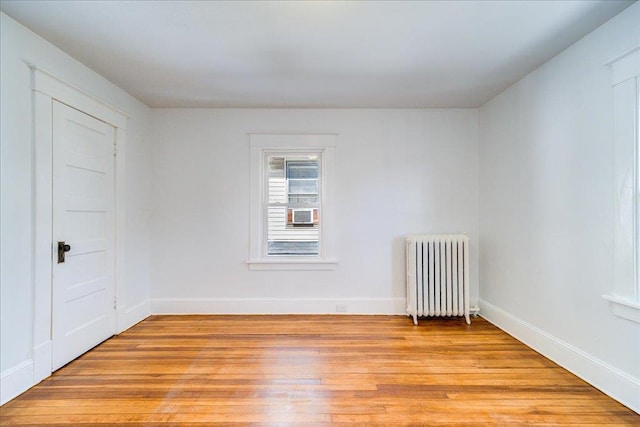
624,307
624,298
261,143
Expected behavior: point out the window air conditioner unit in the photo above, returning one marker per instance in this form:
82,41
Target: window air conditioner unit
302,216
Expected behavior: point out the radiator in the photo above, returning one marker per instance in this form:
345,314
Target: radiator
438,276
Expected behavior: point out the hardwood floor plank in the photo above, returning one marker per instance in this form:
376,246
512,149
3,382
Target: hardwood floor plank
319,370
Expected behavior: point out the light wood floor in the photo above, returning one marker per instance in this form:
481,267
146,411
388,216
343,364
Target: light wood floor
313,370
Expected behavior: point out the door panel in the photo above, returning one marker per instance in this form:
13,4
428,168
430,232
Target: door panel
83,217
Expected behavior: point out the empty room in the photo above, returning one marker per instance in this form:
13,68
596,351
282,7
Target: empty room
320,212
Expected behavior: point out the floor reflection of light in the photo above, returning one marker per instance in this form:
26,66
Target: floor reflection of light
294,386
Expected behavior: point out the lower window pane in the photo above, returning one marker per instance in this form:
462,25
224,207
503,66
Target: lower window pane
291,233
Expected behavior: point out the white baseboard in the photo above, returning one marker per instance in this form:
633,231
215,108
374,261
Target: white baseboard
16,380
278,305
618,384
129,316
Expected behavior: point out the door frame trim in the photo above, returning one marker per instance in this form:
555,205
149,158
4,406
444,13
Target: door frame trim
46,88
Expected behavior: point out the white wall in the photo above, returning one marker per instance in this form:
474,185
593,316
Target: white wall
398,172
546,212
20,46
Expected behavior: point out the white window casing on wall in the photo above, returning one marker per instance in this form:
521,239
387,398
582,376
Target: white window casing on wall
265,145
625,295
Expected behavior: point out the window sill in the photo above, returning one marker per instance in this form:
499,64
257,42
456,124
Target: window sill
624,308
293,264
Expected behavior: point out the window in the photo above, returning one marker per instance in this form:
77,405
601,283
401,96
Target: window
293,208
625,295
637,180
292,194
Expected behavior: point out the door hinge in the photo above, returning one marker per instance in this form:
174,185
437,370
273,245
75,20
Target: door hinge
115,303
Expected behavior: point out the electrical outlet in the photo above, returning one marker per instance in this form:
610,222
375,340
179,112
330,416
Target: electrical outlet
341,308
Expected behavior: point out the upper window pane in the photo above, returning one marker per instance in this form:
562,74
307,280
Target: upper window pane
302,180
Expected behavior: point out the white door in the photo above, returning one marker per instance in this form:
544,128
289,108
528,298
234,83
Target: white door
83,313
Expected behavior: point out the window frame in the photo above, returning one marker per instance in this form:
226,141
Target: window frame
263,145
624,298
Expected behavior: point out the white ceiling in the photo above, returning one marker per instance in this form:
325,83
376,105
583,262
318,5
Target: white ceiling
396,54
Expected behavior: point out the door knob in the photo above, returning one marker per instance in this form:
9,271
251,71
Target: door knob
62,248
